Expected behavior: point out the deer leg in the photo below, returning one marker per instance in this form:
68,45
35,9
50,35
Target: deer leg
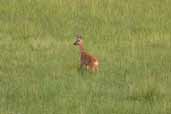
87,67
97,69
81,66
93,69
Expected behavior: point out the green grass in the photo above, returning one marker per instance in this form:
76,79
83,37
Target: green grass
39,64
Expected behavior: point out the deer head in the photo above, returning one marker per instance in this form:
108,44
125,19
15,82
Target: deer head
78,41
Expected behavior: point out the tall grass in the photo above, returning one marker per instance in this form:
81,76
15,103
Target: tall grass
39,65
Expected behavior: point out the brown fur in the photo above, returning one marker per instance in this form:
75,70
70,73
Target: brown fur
88,61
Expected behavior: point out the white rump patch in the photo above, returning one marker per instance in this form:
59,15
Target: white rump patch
96,63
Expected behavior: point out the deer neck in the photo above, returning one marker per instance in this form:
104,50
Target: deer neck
81,48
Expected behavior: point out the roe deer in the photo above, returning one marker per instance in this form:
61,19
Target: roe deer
86,61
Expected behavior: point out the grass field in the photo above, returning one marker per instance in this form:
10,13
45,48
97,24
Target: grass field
39,64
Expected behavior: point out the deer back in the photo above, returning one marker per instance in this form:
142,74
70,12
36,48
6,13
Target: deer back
87,59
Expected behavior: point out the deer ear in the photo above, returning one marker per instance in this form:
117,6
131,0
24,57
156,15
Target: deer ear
79,36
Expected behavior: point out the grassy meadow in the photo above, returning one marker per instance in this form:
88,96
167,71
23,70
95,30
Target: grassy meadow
39,65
